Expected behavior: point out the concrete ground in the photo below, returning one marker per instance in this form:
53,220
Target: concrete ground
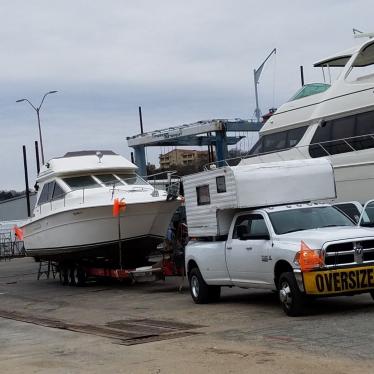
49,328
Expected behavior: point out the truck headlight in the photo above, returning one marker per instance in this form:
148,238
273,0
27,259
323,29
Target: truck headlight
308,259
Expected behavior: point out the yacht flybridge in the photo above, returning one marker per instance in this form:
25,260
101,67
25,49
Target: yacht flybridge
73,213
329,120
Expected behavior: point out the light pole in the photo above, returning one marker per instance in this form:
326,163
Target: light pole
37,110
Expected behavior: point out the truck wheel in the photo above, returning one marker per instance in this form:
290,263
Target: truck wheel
198,288
291,298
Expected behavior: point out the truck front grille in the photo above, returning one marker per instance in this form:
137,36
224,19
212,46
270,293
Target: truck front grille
349,253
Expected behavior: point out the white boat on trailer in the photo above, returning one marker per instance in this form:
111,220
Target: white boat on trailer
73,216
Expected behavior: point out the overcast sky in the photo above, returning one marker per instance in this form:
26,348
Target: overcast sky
181,61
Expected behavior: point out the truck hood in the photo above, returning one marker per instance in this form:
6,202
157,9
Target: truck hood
316,238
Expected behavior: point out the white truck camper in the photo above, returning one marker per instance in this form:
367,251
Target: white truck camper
263,226
213,197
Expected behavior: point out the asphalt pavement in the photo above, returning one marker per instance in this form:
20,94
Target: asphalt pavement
153,328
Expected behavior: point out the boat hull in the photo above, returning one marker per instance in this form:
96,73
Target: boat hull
94,232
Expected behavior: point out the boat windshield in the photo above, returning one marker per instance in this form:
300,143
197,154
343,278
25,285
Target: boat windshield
132,179
292,220
108,179
81,182
309,90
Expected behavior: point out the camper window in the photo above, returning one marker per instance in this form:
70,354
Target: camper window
203,195
221,184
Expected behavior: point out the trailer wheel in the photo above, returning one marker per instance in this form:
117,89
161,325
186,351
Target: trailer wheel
202,293
292,300
82,277
64,275
73,277
77,276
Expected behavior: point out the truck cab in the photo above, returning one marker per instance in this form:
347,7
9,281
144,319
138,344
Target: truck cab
295,249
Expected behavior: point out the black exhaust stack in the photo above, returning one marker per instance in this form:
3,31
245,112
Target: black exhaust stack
26,182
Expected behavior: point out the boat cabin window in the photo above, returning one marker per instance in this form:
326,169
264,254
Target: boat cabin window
78,183
278,141
348,134
309,90
51,191
132,179
58,192
108,179
363,67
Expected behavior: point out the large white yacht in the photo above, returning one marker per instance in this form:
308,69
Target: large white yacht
329,120
73,213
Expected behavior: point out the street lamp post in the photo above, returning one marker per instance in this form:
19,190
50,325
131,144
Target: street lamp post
37,110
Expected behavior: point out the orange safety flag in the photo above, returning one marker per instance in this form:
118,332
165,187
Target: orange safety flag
308,259
117,206
18,232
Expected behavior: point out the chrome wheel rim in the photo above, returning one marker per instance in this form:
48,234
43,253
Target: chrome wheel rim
285,295
195,286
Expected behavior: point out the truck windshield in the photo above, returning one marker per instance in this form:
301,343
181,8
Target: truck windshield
308,218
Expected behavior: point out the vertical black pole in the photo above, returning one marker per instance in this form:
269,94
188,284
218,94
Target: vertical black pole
26,182
302,75
37,156
141,120
132,157
119,239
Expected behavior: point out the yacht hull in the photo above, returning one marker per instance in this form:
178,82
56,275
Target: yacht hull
94,232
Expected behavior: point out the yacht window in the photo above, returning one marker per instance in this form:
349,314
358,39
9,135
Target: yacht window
363,67
343,135
295,135
108,179
58,192
309,90
132,179
278,141
275,142
77,183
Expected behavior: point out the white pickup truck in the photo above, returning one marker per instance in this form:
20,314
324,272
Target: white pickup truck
300,250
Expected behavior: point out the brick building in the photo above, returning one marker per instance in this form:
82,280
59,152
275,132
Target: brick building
182,157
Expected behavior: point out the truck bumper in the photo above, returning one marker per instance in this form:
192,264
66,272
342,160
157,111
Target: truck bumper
337,281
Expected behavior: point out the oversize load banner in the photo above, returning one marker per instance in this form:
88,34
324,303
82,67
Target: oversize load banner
339,280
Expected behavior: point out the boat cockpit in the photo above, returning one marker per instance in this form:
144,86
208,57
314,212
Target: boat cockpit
61,186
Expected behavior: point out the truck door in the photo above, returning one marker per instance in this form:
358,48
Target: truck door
247,251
